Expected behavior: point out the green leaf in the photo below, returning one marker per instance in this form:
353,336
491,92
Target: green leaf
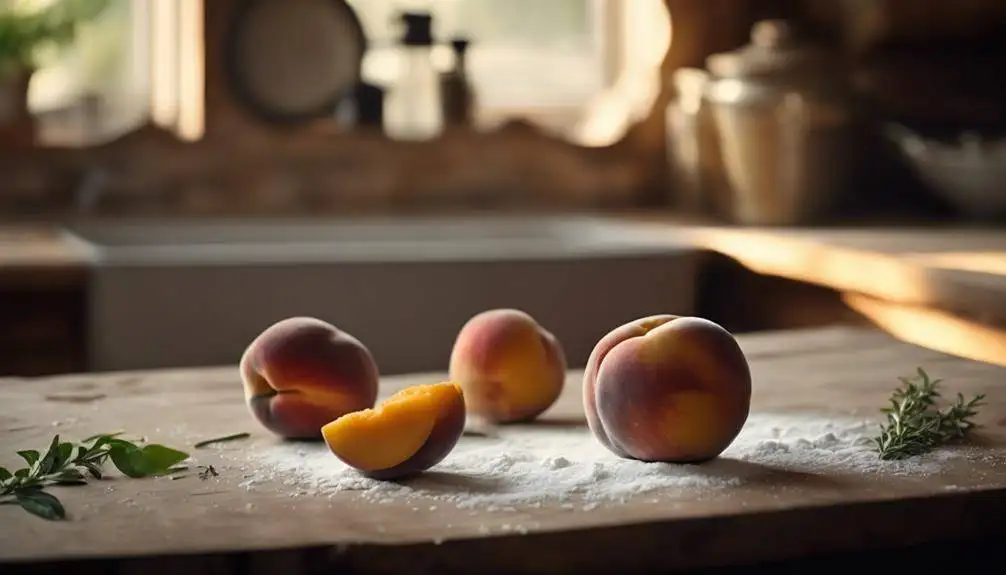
160,458
41,504
63,454
46,465
29,455
113,442
69,477
103,436
76,453
126,460
4,474
150,460
93,468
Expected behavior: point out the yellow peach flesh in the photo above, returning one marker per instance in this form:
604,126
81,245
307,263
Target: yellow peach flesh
386,435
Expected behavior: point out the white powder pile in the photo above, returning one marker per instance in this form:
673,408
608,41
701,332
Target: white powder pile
531,466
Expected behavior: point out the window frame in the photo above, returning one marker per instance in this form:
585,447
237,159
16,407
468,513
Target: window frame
617,51
629,82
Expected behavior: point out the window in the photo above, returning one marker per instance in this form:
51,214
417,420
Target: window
518,46
139,61
583,68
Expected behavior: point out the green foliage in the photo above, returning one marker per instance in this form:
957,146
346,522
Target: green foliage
916,425
66,463
24,33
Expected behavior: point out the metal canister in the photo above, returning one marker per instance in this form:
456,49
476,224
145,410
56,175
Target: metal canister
693,155
784,115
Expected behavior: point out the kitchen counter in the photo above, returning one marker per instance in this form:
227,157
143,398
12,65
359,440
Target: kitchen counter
962,270
942,287
43,281
41,257
772,504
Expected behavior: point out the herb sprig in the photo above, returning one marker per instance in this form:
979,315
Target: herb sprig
224,439
67,463
916,425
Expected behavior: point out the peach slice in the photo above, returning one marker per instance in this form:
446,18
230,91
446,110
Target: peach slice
406,434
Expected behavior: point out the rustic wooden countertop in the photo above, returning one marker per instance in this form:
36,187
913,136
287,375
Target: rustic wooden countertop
777,509
944,288
941,286
961,270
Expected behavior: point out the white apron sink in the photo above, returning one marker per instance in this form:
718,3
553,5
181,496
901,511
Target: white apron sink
189,293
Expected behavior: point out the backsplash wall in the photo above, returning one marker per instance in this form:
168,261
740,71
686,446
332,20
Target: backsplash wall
242,166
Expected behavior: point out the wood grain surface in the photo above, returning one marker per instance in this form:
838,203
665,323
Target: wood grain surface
959,270
217,526
933,328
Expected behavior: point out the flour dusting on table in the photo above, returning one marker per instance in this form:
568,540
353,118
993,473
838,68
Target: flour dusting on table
535,465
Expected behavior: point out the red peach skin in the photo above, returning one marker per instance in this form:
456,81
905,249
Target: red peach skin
301,373
510,367
667,388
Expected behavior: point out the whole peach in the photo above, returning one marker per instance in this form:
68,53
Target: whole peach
406,434
667,388
301,373
510,368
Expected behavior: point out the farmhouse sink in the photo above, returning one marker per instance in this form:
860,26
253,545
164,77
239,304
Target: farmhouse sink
186,293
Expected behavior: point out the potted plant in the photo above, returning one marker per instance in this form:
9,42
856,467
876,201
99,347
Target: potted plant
25,34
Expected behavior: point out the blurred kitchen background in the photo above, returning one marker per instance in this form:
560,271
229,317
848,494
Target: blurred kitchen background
177,174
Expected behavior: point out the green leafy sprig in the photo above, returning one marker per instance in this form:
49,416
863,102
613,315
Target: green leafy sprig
915,424
67,463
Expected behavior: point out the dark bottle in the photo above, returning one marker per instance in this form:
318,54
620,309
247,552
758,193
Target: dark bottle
456,91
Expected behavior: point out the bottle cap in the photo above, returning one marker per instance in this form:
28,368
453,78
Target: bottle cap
418,29
460,44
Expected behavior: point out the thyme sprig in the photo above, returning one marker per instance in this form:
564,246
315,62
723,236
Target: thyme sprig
915,423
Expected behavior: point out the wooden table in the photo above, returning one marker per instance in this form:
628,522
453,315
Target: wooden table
777,512
950,268
941,286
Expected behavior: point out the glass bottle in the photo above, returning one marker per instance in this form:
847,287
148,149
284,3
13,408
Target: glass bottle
413,106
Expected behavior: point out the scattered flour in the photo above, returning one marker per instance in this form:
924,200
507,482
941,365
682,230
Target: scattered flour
528,467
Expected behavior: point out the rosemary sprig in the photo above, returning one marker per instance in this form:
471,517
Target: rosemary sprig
916,425
66,463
